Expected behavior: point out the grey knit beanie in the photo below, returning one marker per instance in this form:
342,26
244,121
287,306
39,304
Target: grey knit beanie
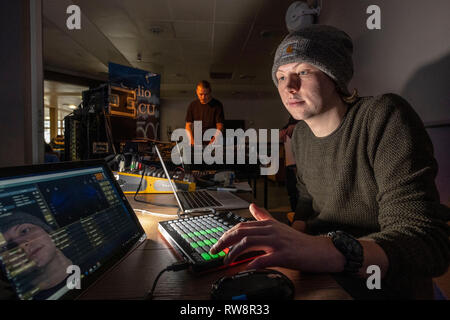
327,48
9,220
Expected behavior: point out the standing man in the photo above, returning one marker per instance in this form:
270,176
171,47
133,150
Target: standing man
207,110
365,171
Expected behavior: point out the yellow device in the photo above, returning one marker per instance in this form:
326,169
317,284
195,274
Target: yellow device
129,182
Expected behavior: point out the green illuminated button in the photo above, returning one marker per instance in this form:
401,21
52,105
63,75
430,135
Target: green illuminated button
219,228
197,233
213,240
215,256
200,243
203,232
190,234
206,256
194,245
185,236
208,231
214,230
222,254
207,242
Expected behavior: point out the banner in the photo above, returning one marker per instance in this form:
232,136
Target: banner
141,90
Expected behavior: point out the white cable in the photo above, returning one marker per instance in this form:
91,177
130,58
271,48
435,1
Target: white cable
157,214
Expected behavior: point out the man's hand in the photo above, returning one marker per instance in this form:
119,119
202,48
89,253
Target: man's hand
219,129
260,214
299,225
284,246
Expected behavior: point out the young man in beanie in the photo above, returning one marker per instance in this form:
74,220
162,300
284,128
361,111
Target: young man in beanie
365,171
47,263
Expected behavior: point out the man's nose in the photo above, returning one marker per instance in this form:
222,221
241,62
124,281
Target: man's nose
293,84
25,246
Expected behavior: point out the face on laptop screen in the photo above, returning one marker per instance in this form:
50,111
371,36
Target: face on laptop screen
55,224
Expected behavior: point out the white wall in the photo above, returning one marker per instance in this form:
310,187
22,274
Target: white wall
409,56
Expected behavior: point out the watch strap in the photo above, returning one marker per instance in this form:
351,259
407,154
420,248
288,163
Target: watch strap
350,248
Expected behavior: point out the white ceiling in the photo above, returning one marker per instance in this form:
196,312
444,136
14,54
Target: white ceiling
183,40
62,95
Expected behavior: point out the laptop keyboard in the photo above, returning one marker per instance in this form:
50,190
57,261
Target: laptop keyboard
193,237
197,199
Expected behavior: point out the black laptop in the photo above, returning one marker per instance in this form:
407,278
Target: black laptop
61,227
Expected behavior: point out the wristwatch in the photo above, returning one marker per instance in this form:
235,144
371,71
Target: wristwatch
350,248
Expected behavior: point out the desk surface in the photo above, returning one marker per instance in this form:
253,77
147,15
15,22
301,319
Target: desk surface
133,276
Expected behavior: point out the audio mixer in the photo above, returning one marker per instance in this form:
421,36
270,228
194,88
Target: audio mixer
154,181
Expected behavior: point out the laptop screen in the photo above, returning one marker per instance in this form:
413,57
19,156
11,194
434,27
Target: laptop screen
62,228
172,185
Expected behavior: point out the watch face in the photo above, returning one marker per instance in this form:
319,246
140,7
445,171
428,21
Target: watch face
355,247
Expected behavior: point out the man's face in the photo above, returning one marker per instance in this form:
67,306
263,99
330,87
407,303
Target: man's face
306,91
204,95
36,243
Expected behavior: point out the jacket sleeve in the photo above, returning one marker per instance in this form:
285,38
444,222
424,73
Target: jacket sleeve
413,224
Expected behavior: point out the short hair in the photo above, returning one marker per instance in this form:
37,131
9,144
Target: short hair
349,98
204,84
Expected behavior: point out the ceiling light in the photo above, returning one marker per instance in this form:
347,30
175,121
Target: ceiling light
156,30
246,76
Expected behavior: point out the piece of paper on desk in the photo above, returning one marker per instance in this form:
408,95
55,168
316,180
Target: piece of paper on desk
242,186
